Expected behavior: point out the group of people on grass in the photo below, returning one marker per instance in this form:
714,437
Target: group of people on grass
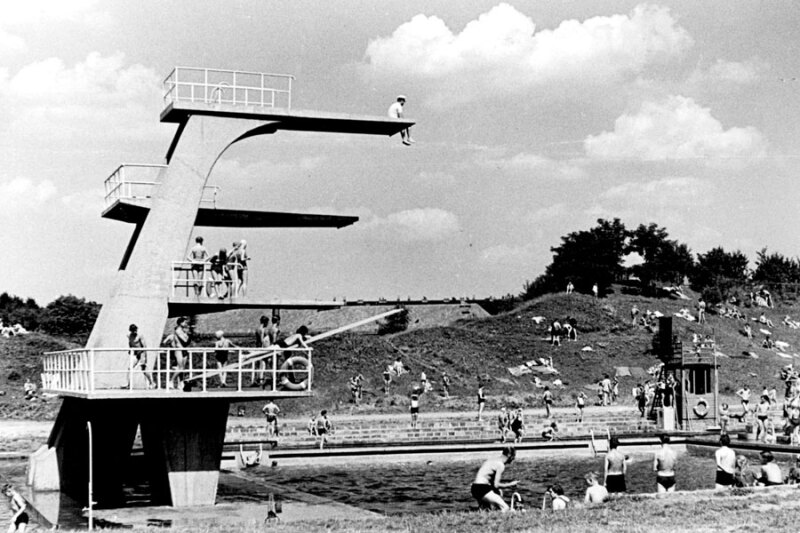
227,269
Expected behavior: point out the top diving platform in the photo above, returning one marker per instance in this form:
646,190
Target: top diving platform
259,96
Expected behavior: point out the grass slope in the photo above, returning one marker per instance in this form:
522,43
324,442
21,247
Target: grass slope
475,347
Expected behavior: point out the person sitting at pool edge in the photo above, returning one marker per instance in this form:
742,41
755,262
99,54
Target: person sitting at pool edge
486,487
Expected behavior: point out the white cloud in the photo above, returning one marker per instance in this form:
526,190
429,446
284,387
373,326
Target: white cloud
20,195
504,255
18,17
676,128
414,225
50,100
500,52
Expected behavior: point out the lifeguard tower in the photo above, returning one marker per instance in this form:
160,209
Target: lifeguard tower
696,373
182,430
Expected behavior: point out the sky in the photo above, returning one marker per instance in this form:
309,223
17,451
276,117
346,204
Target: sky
533,120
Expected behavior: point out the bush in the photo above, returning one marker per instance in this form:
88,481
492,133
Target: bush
69,315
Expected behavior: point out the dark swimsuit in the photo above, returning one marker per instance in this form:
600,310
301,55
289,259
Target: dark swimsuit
666,481
724,478
479,490
616,483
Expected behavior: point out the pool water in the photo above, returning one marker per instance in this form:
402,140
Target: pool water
444,485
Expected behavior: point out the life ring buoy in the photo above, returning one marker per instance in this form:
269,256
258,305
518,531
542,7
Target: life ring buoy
701,408
295,373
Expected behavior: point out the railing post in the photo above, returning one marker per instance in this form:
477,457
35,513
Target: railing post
274,371
205,369
239,373
130,369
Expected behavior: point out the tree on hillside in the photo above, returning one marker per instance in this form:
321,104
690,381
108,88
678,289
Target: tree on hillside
584,258
773,269
665,260
70,315
718,273
13,310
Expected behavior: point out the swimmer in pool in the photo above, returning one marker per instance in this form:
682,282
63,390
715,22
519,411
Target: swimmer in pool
486,487
664,466
595,493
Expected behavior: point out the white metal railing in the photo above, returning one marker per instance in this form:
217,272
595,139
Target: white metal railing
215,86
132,182
166,369
205,280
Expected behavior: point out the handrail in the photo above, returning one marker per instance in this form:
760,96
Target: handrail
218,86
198,279
167,369
120,186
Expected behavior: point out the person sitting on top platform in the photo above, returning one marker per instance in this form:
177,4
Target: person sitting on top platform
396,111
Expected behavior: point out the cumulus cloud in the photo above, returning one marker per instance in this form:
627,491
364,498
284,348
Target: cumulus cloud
414,225
676,128
22,194
51,100
19,17
501,52
505,255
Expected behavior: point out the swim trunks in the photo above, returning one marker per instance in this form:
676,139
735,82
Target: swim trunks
271,418
666,481
21,519
724,478
480,490
414,410
615,483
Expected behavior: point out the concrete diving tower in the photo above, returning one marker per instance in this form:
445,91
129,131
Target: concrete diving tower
182,430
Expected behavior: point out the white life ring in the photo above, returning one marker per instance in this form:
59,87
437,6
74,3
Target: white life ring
290,372
701,408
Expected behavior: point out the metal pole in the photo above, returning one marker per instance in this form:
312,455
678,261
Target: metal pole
91,474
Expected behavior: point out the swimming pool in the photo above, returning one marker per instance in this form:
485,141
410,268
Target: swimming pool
415,487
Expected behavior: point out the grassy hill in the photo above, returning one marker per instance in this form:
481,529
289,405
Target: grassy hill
473,347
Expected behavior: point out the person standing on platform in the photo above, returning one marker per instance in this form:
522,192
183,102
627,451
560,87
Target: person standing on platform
138,354
177,340
221,352
396,111
258,373
198,257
